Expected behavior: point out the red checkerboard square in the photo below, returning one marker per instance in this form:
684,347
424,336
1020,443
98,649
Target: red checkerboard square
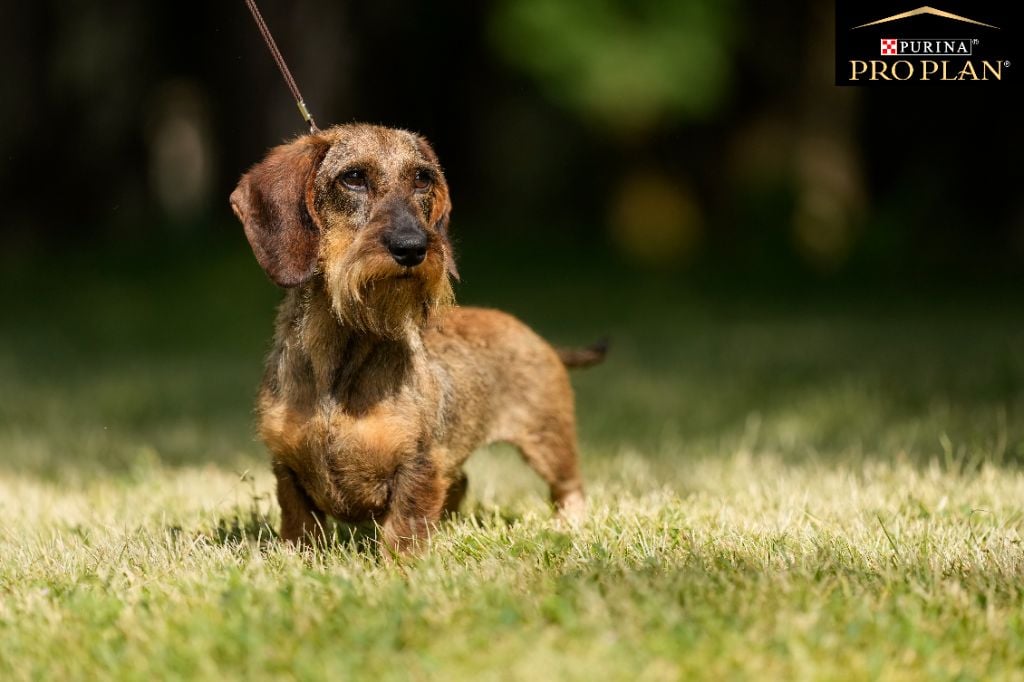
889,46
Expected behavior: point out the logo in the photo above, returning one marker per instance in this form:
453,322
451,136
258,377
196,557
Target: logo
927,47
894,43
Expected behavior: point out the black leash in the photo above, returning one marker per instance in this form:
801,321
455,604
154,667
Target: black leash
276,54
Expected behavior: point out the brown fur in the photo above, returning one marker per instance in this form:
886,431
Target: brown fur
378,388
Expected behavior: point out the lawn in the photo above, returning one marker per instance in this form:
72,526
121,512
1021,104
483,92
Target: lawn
784,483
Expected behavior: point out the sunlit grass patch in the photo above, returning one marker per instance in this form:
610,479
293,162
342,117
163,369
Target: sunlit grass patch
760,568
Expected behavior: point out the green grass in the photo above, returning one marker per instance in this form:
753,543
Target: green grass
783,485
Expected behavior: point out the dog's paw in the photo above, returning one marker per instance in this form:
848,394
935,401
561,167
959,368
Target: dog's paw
572,509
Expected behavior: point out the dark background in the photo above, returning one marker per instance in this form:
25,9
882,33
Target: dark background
706,134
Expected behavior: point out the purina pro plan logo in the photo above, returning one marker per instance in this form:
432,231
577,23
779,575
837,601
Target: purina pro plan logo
929,48
888,43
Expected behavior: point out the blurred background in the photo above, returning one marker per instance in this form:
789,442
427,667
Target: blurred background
775,258
676,133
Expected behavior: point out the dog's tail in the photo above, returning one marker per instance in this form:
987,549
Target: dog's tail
578,358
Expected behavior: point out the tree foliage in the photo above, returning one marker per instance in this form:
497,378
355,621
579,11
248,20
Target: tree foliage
623,64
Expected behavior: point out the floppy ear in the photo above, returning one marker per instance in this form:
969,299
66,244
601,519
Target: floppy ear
444,206
442,229
274,201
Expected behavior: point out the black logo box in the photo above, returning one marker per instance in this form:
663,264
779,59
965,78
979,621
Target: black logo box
1000,44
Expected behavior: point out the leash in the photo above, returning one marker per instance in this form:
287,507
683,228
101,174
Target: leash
276,54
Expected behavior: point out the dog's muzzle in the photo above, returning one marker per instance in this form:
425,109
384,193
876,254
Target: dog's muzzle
406,241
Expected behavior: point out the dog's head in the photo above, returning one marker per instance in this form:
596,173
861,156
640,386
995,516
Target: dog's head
363,207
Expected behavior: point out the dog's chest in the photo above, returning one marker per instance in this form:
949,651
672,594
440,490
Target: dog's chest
346,463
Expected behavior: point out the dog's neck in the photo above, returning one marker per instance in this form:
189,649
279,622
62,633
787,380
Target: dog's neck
348,366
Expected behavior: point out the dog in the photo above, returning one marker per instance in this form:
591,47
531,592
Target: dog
378,388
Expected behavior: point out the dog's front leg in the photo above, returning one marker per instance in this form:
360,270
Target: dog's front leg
301,522
417,497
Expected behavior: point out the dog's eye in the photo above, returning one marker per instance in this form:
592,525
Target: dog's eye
423,180
354,180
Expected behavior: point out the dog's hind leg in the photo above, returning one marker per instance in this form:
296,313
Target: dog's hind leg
550,450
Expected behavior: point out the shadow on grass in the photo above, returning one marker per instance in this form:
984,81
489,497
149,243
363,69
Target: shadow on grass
254,526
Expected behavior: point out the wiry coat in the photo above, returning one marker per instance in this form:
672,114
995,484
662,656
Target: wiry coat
377,388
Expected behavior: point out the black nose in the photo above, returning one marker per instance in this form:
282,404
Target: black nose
407,246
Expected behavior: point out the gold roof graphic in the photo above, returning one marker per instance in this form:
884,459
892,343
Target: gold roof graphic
926,10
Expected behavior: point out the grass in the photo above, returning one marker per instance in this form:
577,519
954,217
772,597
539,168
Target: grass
784,485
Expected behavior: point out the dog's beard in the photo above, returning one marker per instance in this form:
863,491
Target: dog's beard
368,296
